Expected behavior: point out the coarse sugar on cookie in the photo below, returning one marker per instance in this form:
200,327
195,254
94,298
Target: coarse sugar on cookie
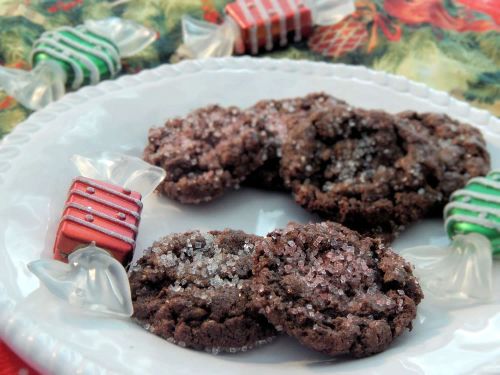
193,289
207,152
376,172
275,114
334,290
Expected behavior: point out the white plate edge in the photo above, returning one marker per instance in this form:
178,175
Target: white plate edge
18,332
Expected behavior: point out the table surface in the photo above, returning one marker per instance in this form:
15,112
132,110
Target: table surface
450,45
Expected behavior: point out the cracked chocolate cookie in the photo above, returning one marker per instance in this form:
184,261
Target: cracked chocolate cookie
334,290
208,151
376,172
275,114
193,289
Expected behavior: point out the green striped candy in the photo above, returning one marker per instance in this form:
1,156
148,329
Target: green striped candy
87,58
476,209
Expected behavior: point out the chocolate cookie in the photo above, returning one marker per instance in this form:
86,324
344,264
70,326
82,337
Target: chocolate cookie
376,172
206,152
193,289
275,114
333,290
461,148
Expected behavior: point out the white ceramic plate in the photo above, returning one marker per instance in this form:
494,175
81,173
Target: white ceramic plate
35,172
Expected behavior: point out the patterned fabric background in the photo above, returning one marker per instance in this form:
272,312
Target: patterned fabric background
451,45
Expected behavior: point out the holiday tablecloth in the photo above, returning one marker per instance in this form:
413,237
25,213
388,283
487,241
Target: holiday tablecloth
451,45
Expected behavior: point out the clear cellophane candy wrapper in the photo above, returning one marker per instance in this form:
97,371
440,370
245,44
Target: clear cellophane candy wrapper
253,26
92,279
459,274
70,57
126,171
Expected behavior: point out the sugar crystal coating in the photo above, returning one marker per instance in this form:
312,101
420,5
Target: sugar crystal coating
207,151
193,289
376,172
334,290
276,115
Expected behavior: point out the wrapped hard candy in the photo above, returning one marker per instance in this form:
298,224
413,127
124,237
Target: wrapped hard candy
100,212
476,209
254,25
461,272
104,205
97,231
70,57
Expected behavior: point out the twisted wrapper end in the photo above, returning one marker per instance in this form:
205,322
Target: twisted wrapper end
459,274
36,88
92,281
127,171
129,36
204,39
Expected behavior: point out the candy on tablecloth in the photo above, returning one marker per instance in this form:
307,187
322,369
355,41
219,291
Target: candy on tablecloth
476,209
97,231
253,25
70,57
461,273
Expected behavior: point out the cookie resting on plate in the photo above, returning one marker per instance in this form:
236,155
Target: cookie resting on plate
193,289
207,151
276,114
376,172
333,290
